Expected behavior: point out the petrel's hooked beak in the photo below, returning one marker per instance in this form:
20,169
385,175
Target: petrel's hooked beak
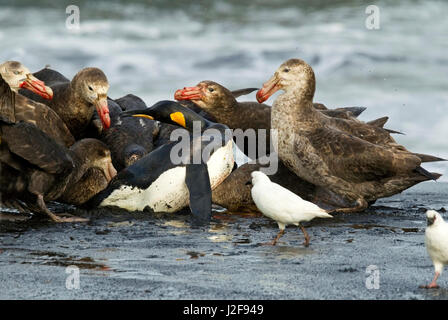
103,111
110,171
188,93
37,86
269,88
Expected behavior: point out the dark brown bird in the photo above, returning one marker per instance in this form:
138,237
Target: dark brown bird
353,159
92,182
96,170
35,167
75,101
221,104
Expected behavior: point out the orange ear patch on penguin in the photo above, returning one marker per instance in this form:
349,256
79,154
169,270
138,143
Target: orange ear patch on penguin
179,118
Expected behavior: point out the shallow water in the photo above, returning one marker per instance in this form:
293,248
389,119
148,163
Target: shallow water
152,48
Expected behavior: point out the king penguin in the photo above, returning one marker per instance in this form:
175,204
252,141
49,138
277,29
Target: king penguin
177,174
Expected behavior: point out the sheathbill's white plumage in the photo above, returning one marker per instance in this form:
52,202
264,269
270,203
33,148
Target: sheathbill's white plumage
282,205
436,240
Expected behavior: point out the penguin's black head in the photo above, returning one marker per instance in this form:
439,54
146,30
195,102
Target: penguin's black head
170,112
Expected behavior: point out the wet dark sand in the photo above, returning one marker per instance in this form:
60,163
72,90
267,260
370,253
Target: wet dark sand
138,256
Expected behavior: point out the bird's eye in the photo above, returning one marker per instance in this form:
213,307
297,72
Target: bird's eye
90,88
211,89
16,72
286,70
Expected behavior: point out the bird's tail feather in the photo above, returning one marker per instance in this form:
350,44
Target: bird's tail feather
356,111
380,122
324,214
428,158
426,173
394,131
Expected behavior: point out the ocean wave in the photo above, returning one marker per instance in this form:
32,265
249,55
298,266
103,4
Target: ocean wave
153,48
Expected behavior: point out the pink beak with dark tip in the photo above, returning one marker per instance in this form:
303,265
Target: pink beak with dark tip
103,111
269,88
38,87
111,171
189,93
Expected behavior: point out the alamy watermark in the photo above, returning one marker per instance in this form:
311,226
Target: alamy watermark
72,22
197,146
72,281
373,20
373,277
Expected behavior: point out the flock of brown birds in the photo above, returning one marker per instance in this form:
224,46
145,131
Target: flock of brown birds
63,140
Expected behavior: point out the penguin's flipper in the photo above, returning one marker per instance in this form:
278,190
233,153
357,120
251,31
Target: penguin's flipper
198,183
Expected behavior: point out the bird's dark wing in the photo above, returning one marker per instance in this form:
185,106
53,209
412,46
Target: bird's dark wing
357,160
31,144
44,118
354,111
364,131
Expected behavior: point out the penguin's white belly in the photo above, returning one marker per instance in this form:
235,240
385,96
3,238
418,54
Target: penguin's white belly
169,193
220,164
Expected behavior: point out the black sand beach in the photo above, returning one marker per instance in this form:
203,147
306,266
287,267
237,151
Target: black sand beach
139,256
